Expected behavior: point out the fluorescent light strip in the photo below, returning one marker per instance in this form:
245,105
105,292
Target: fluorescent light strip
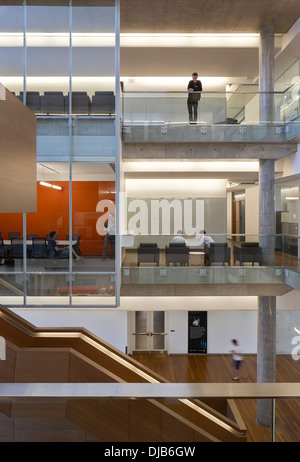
112,34
49,185
60,39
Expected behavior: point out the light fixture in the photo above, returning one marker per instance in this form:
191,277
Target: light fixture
296,330
49,185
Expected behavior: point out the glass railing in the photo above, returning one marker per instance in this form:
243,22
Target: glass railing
31,276
90,138
38,280
164,116
229,259
221,116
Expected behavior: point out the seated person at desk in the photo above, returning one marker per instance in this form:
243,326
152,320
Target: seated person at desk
55,251
179,239
207,240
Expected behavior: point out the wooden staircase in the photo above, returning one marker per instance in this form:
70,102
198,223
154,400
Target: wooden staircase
75,355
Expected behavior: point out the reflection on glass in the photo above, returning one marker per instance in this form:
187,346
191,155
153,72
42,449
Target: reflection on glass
11,48
93,61
11,242
287,202
93,199
52,216
47,289
47,68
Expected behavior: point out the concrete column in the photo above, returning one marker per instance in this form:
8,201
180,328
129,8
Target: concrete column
266,354
266,322
266,73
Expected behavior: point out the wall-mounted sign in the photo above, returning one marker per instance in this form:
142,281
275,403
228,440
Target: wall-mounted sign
197,335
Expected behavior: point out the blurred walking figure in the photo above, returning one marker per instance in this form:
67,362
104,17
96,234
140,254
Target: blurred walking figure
236,357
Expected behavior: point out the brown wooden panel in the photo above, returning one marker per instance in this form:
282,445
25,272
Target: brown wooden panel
42,366
40,430
6,429
217,429
82,369
108,420
44,409
144,421
7,369
18,190
5,407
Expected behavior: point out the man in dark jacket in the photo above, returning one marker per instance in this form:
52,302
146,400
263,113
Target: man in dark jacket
194,85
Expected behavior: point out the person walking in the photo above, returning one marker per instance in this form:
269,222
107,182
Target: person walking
237,358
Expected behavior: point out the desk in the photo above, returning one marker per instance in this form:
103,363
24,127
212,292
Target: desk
7,242
201,254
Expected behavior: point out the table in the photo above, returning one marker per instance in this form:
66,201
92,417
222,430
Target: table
201,253
7,242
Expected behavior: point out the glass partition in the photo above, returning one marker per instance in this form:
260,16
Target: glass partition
209,259
93,60
56,55
47,60
11,49
213,108
221,117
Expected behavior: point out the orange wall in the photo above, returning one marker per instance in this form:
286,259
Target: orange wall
53,213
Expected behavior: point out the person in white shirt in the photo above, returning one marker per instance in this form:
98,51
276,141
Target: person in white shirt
207,240
179,239
236,357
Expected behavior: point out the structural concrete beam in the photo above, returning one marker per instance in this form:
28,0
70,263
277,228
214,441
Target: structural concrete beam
189,290
184,151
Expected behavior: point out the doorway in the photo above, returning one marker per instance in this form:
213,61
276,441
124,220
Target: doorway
238,218
148,333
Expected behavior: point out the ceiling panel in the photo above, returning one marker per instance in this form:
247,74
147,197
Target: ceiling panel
196,16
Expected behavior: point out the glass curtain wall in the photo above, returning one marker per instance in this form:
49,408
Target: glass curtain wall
287,216
67,77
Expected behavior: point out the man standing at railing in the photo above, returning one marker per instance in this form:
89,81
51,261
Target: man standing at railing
194,85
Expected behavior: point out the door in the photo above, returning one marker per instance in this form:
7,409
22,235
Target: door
149,331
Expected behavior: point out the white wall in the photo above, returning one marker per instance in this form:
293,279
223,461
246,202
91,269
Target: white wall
290,165
111,326
252,212
177,332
